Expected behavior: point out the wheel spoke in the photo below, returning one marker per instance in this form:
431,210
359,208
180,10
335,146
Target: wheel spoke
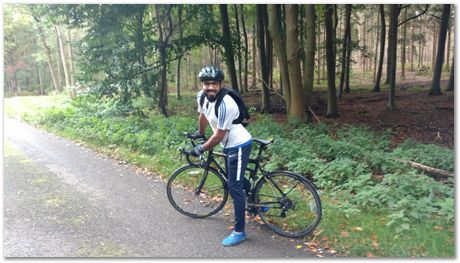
184,195
294,208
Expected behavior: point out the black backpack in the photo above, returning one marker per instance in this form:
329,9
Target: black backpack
244,117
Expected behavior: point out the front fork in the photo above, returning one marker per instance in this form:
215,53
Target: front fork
203,180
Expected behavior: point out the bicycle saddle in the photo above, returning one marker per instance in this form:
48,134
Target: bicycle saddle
263,142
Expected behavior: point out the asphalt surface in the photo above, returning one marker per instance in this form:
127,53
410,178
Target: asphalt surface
64,200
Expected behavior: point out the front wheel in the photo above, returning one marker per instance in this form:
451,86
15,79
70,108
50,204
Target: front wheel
197,192
288,204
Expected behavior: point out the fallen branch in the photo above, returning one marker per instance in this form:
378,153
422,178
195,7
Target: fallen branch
428,169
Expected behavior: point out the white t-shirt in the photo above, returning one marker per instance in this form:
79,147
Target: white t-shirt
228,111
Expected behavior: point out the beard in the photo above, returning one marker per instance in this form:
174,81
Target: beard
211,98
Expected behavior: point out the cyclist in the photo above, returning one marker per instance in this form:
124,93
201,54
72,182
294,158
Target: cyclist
235,139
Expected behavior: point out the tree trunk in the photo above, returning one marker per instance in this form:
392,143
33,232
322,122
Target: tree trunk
40,79
436,86
227,44
392,50
345,48
297,108
348,64
310,58
364,40
412,46
330,60
178,76
274,15
420,47
254,56
269,54
261,13
433,51
403,47
377,39
179,59
139,46
450,86
382,48
448,47
319,56
238,35
41,33
246,51
71,62
163,83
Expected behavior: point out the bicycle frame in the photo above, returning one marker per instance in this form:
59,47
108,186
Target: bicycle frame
211,163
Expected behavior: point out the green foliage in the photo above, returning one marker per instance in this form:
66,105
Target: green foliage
427,154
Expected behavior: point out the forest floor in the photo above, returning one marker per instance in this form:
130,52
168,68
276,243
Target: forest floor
427,119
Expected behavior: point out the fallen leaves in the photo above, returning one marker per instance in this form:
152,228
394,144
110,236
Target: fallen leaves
316,248
345,234
375,244
357,229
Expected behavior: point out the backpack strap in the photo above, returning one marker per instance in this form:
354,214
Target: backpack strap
202,99
223,91
239,101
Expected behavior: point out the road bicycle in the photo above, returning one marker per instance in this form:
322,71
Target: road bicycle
287,203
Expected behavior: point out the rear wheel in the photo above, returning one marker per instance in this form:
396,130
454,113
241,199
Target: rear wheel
288,204
197,192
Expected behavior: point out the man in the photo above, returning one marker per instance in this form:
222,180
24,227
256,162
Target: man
235,139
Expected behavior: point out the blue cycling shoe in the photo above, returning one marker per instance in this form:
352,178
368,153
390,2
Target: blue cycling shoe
264,209
234,239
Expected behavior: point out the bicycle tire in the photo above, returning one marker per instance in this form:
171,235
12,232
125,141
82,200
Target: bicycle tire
292,204
182,195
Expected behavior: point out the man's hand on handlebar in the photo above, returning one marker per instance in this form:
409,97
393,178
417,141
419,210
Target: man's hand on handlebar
196,135
197,150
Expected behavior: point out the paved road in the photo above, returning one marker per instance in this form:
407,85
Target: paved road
64,200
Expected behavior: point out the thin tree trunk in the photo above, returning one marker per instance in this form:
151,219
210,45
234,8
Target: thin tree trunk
382,48
364,43
178,77
433,51
412,47
345,48
323,74
246,51
238,34
179,59
39,78
274,14
377,39
41,33
319,56
436,86
139,46
263,59
254,56
71,62
310,58
163,92
227,43
330,59
392,50
448,47
59,64
348,65
403,47
420,47
450,86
